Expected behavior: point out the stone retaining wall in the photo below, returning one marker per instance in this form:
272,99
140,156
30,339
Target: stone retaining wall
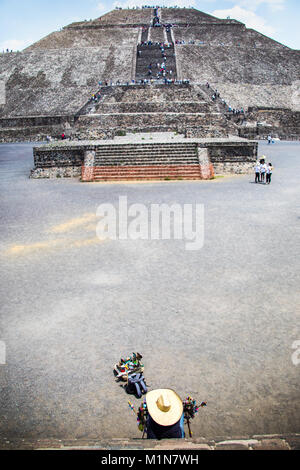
56,172
281,123
57,162
155,107
159,120
29,134
35,121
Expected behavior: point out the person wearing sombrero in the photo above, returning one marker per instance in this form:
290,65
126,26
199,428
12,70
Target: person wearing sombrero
166,418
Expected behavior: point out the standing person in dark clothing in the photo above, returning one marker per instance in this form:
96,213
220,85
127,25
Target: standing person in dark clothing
166,417
257,172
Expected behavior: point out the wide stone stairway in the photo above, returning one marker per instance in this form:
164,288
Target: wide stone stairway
151,54
147,161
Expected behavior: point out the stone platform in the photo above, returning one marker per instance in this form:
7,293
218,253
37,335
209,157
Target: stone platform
155,156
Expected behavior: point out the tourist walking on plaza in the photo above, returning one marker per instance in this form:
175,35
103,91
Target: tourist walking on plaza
269,173
269,139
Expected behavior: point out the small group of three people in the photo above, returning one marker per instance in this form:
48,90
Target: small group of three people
263,171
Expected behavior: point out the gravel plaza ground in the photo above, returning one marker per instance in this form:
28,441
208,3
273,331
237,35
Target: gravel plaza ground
218,323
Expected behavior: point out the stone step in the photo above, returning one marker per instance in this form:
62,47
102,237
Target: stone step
146,154
140,160
152,59
149,152
149,155
171,167
140,144
145,168
158,103
146,174
143,172
145,158
145,178
127,176
101,162
137,176
150,147
154,48
163,147
153,149
142,167
171,146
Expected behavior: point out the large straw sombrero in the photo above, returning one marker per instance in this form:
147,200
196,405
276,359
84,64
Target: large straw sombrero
164,406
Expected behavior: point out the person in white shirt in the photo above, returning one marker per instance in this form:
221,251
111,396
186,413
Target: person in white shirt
257,172
263,169
269,173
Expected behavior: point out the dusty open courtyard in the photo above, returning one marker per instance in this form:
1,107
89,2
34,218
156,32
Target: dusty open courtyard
218,323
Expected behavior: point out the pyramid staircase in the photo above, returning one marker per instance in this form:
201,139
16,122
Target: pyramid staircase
149,51
151,54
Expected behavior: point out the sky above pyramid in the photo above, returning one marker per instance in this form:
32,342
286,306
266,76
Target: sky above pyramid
23,23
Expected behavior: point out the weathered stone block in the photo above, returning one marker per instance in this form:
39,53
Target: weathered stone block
271,444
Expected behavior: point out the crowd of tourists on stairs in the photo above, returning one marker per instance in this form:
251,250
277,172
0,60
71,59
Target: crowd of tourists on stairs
216,95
